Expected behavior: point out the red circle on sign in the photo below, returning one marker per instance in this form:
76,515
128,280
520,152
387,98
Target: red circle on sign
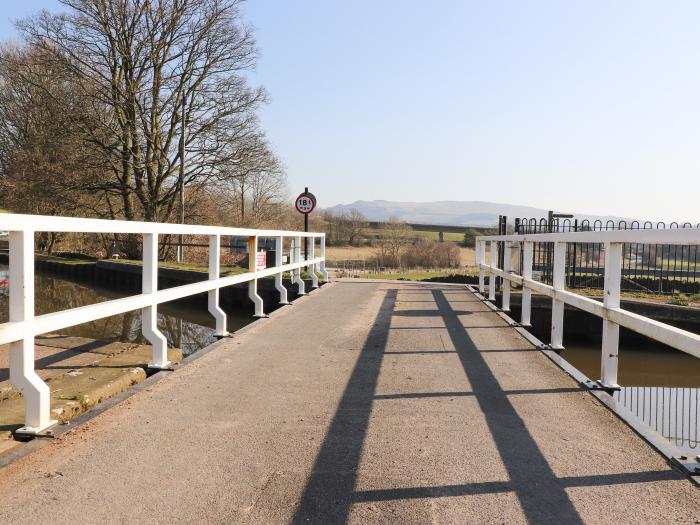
305,203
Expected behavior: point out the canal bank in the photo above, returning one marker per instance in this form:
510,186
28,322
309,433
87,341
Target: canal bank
80,373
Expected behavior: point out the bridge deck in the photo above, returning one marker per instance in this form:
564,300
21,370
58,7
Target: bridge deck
367,402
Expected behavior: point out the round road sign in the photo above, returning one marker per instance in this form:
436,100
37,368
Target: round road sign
305,203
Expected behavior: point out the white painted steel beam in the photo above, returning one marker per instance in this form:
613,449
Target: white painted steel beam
492,274
558,283
480,261
526,302
42,223
611,330
213,295
505,298
296,274
322,256
253,283
311,268
149,314
279,285
37,401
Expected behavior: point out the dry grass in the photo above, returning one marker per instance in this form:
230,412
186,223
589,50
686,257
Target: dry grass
350,253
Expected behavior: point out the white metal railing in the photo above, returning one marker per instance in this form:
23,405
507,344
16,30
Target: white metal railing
609,310
23,325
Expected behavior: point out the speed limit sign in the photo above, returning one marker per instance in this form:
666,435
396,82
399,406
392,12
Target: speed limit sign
305,203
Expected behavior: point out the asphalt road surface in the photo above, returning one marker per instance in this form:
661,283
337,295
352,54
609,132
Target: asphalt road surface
365,402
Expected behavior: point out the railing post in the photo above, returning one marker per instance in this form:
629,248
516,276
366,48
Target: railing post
558,283
526,305
296,273
481,259
37,397
311,268
505,298
253,268
492,276
322,266
279,285
611,299
149,315
213,295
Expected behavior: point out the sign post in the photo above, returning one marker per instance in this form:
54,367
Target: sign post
305,204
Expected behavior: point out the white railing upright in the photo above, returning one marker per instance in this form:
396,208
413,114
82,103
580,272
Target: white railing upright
23,325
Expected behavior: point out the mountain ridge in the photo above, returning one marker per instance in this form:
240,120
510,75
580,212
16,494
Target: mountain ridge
452,213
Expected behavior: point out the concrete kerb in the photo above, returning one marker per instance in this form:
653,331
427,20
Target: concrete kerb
675,458
28,447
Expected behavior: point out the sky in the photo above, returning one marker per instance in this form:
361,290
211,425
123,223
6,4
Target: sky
579,106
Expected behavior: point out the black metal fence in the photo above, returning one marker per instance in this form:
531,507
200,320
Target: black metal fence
651,268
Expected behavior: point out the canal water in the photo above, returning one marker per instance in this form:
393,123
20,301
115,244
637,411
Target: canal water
185,326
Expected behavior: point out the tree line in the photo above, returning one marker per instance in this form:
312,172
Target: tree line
111,108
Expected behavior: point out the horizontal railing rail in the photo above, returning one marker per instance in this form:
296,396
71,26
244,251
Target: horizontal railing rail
517,252
24,325
609,309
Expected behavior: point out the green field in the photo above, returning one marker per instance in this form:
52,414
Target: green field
416,276
447,236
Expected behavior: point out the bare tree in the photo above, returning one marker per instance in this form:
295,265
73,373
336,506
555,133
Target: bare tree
346,227
142,66
42,157
394,235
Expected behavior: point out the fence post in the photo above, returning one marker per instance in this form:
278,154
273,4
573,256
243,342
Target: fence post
311,268
149,315
611,299
558,283
322,266
213,295
481,259
296,273
492,276
505,298
37,397
253,268
526,307
279,285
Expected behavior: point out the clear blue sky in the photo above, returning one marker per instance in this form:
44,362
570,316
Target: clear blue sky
587,106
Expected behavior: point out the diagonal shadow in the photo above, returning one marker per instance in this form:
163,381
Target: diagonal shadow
327,495
494,487
420,395
47,361
329,491
541,494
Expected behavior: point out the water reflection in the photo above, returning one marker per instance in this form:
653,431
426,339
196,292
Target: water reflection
186,327
640,364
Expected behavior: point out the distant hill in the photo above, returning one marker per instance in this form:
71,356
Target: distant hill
457,213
